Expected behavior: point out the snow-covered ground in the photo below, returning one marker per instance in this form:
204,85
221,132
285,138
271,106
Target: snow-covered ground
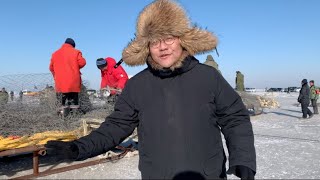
287,147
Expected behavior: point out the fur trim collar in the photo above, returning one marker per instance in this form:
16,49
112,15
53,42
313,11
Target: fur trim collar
187,64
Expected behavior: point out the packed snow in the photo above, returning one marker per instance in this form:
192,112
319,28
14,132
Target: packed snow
287,147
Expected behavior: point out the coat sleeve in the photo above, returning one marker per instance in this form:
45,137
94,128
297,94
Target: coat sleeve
81,61
103,81
122,77
51,67
300,96
234,120
116,127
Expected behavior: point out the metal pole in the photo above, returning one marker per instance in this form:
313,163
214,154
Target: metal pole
22,150
35,162
80,165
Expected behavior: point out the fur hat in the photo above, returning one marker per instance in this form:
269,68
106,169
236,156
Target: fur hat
161,18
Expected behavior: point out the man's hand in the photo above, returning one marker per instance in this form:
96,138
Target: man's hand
242,172
119,90
62,150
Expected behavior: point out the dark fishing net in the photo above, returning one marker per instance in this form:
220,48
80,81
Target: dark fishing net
251,102
37,108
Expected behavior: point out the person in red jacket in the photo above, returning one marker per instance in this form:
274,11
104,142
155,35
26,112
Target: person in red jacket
111,76
65,67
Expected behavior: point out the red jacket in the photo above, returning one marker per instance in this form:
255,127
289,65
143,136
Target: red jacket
113,77
65,67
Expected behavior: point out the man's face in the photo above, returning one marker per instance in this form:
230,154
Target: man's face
103,68
166,51
311,83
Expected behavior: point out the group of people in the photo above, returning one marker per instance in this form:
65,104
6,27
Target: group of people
4,96
65,67
308,93
179,105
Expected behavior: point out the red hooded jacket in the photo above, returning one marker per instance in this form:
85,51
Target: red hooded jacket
113,77
65,67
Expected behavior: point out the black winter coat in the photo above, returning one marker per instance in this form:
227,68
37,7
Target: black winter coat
304,94
179,115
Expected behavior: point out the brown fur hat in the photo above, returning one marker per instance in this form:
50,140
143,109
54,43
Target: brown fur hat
161,18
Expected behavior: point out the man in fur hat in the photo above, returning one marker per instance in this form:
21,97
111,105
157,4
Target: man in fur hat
179,105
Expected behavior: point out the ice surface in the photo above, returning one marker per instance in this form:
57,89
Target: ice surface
287,147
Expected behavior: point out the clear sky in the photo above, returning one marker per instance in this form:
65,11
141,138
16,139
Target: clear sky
274,43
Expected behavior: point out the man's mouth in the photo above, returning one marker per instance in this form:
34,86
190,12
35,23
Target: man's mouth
164,56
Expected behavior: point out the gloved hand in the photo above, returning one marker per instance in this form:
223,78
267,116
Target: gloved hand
119,90
62,150
242,172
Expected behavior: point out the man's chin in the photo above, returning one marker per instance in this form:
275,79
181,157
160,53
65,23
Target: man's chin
165,63
165,66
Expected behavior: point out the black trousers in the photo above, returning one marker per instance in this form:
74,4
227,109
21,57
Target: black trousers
315,106
72,98
305,110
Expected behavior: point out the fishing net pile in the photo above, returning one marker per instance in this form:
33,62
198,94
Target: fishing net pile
256,103
251,102
268,102
35,116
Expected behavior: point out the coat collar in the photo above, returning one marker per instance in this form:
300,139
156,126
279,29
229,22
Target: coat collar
187,64
67,45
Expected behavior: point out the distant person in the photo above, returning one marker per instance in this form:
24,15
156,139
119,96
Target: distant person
239,81
211,62
4,96
314,95
20,95
304,99
111,76
65,67
4,90
179,105
11,95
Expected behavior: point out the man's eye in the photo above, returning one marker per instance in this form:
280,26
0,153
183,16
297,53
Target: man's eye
154,43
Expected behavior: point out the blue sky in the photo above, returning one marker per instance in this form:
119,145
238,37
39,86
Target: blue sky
274,43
